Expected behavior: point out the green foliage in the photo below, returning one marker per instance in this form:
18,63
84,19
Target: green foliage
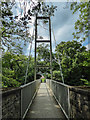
74,61
85,82
57,75
40,8
82,24
43,51
44,9
74,57
13,32
14,69
9,82
49,76
43,58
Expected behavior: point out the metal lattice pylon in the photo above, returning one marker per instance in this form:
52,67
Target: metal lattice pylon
43,41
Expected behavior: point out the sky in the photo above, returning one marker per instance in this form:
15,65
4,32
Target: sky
62,24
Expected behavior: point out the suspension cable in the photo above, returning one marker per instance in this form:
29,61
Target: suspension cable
59,62
28,58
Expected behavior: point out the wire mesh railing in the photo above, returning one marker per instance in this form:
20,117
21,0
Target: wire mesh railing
28,93
17,101
61,94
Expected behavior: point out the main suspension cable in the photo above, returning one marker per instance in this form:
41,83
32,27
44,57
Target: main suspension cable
29,58
59,61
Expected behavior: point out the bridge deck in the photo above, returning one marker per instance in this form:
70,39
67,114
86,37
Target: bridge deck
44,105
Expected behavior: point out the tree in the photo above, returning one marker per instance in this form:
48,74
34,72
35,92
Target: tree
40,8
15,30
72,56
14,69
57,75
13,33
43,57
82,24
43,51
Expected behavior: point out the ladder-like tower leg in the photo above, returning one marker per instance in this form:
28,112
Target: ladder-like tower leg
40,41
50,48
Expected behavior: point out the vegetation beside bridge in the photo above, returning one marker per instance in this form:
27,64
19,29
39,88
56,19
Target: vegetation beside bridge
15,35
74,60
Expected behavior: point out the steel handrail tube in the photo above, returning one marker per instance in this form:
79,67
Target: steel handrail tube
28,92
61,94
27,84
60,83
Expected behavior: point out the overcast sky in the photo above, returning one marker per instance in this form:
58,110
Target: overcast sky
62,25
63,22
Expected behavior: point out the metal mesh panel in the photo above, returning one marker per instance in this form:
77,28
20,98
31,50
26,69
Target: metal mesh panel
27,93
61,93
48,82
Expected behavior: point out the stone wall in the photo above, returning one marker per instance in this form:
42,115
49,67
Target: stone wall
11,104
80,103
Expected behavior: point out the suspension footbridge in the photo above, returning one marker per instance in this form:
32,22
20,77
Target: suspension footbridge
52,99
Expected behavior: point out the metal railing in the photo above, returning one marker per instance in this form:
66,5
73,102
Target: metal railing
18,100
61,94
28,93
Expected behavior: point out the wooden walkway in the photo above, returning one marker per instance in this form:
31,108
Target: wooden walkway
44,105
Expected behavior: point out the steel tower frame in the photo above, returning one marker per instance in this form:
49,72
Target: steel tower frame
43,41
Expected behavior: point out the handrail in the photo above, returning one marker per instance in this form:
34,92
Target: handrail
61,83
28,84
28,92
21,98
66,96
61,94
